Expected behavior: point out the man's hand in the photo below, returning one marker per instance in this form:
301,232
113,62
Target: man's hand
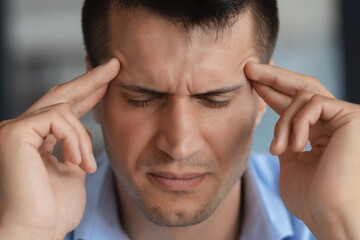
40,197
320,186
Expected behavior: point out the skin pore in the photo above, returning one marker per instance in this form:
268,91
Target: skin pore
181,105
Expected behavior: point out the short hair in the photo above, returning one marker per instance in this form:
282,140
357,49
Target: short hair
214,14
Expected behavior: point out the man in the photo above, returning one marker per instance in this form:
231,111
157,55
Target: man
180,89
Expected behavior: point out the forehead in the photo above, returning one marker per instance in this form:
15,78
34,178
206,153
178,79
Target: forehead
150,45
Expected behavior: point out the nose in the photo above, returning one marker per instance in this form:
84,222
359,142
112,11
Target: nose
179,136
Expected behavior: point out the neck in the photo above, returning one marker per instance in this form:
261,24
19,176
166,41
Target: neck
224,223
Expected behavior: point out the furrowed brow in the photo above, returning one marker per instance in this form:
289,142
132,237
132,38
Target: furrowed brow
139,89
219,91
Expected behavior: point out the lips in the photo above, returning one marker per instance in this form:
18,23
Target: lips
177,182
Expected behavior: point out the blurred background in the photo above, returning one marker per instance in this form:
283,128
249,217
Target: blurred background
41,46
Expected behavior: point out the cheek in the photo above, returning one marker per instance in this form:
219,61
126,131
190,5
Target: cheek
229,133
127,132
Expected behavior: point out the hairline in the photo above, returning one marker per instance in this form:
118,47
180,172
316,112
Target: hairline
219,31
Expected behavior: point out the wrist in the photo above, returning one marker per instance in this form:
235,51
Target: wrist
334,225
13,232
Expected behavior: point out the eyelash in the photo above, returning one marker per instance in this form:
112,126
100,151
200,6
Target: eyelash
216,104
139,104
210,103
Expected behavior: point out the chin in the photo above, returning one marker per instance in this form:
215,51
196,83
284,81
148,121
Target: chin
178,216
177,211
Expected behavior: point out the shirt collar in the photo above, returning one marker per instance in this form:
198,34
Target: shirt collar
101,219
264,216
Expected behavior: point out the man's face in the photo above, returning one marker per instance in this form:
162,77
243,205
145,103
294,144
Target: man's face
178,119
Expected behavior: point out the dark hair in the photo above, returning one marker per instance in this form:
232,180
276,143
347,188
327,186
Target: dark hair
213,14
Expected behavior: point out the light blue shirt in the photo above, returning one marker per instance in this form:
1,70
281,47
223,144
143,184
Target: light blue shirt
264,217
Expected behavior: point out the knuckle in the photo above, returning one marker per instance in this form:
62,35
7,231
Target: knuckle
54,93
3,123
310,83
312,79
89,139
317,99
54,112
278,125
84,134
4,128
303,94
60,110
353,120
77,113
357,119
8,129
63,107
54,88
353,112
297,120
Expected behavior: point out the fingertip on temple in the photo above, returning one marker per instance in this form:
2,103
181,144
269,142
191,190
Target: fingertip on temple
109,70
251,70
114,62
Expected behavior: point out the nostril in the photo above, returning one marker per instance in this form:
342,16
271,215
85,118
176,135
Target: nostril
162,142
180,147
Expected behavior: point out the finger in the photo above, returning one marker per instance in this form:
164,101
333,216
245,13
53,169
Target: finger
82,107
331,112
89,133
3,123
48,146
59,121
275,99
318,136
285,81
88,163
283,128
80,88
38,126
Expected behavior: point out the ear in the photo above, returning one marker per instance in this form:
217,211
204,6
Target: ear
261,111
262,104
271,61
95,109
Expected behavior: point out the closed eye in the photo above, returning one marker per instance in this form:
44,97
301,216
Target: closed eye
141,103
214,99
215,104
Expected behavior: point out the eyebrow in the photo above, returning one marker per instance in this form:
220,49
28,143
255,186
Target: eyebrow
215,92
219,91
139,89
